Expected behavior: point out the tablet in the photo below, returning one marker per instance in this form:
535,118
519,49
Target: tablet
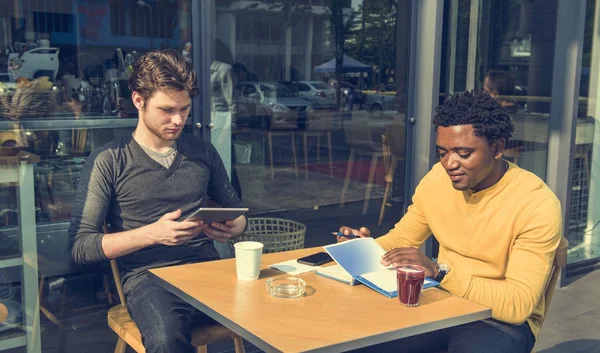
210,215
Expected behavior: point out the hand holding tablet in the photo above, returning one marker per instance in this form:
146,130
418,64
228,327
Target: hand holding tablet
220,215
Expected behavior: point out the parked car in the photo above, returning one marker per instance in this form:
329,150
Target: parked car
382,100
318,93
288,110
250,113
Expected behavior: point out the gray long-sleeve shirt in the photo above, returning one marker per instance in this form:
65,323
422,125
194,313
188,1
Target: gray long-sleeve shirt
121,184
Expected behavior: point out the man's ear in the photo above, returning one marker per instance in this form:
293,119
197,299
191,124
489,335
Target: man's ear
138,100
499,147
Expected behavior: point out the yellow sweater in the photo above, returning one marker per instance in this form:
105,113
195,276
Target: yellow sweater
499,242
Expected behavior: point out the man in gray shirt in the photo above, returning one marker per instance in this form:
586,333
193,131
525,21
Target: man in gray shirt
142,186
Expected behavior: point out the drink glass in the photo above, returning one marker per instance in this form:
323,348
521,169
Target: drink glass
410,284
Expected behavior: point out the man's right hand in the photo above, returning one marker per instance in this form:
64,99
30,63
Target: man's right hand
360,233
168,231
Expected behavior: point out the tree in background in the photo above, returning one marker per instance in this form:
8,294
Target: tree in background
372,39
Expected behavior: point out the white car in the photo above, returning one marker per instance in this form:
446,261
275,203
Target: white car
288,110
318,93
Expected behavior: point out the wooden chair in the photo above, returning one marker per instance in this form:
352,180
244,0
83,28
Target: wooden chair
393,151
318,128
129,335
358,137
292,135
560,261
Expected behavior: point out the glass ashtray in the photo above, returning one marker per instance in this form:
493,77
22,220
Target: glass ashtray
286,287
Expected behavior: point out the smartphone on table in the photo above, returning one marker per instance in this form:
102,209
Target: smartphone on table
317,259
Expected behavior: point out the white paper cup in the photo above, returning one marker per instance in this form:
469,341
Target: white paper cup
247,259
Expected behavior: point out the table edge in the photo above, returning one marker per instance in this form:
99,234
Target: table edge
215,315
340,347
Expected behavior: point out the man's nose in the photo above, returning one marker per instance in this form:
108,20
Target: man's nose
452,162
178,119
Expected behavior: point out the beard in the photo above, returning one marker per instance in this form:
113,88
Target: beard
158,132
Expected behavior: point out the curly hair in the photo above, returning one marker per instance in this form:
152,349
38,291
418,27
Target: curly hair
162,69
489,119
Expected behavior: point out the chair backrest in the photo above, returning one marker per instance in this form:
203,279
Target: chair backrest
358,136
396,139
114,266
560,261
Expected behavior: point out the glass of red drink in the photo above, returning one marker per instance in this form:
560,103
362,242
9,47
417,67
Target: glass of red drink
410,284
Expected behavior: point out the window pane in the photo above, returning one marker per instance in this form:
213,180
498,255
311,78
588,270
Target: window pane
584,232
289,148
64,69
507,48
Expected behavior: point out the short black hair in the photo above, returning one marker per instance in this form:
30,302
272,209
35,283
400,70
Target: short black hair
503,82
239,67
489,119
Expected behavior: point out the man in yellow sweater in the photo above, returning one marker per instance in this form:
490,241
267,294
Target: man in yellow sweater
498,227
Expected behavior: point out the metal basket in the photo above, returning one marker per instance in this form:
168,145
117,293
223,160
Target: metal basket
277,234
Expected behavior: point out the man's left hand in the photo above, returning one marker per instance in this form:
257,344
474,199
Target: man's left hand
410,256
220,232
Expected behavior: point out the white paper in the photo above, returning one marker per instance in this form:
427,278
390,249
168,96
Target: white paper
384,279
293,267
336,272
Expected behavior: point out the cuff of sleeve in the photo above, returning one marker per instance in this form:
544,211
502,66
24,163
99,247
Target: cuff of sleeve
246,227
456,284
98,240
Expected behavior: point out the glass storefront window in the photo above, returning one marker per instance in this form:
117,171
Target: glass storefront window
302,93
506,47
584,214
64,67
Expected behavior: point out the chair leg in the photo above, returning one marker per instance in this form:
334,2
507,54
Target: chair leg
293,137
121,346
305,156
388,186
389,179
238,343
348,176
318,149
330,154
372,170
270,140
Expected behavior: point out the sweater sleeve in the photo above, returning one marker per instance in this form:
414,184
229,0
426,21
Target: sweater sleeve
529,267
90,206
413,229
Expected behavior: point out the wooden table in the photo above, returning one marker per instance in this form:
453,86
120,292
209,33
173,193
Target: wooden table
331,317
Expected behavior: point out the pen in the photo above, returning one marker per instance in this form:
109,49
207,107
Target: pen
349,236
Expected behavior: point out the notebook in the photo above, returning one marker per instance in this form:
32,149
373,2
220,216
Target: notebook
358,261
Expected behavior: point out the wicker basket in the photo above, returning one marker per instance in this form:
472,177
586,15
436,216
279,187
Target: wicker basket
276,234
26,102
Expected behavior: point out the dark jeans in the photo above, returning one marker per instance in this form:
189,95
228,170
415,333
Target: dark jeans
164,320
487,336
